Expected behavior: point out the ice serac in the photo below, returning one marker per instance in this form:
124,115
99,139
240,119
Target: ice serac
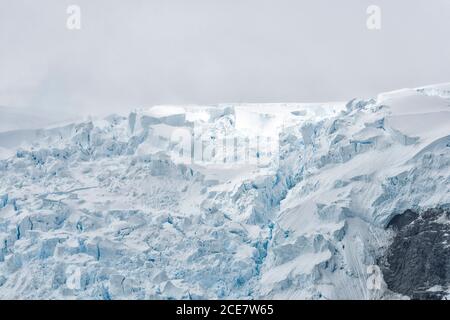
127,207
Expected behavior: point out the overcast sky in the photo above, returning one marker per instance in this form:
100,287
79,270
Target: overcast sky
139,53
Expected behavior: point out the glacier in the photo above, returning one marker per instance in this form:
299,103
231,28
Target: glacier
230,201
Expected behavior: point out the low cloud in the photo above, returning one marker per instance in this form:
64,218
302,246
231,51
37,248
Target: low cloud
141,53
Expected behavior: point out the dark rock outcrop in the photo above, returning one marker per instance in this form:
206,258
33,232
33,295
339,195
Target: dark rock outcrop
417,263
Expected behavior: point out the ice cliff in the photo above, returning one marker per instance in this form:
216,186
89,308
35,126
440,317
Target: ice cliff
243,201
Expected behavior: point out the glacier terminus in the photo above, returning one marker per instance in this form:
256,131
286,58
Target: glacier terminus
344,200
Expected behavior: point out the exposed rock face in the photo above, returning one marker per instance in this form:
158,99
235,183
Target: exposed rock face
417,264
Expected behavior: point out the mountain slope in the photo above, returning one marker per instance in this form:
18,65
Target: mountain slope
230,201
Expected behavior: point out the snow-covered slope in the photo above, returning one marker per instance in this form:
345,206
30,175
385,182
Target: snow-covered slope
22,119
230,201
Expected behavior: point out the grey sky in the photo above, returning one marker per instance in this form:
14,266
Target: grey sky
139,53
